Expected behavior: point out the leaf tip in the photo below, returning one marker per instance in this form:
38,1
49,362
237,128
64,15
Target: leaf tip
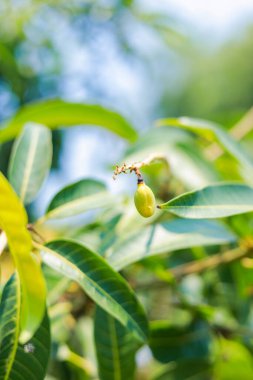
24,337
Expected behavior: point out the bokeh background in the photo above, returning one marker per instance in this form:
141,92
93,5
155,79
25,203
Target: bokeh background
143,58
146,59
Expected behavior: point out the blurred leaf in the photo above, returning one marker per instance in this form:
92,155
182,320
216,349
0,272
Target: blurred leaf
13,221
105,286
188,369
115,347
167,237
164,25
108,233
9,69
81,368
213,131
216,201
62,322
58,113
243,277
56,284
171,343
233,361
84,334
20,362
77,198
186,161
30,161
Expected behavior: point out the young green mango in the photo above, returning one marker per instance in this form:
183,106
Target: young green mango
144,200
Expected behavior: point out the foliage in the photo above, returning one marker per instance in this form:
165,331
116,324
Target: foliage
89,289
186,319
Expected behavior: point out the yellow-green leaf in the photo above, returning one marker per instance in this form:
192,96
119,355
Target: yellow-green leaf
13,221
55,113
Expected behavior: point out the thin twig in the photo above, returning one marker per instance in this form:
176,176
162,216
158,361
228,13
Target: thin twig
239,131
136,166
199,266
32,229
65,354
244,126
210,262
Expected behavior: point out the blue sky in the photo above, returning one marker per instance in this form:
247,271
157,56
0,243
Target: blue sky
211,21
218,17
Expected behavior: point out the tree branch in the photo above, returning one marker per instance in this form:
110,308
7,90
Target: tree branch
199,266
210,262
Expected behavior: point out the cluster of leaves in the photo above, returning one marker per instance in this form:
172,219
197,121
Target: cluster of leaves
196,326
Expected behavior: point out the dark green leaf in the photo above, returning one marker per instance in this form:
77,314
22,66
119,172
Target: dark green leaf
115,347
171,343
105,286
20,362
9,69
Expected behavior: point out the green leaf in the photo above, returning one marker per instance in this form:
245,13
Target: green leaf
115,347
233,361
77,198
105,286
216,201
30,161
212,131
9,69
186,161
20,362
58,113
13,220
188,369
171,343
167,237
